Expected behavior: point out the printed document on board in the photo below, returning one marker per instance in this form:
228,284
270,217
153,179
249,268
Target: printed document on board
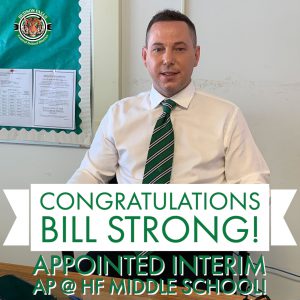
54,98
16,97
37,98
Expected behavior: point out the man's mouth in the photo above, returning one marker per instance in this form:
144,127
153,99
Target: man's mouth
169,74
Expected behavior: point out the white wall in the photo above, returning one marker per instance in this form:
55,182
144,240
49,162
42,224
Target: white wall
249,55
106,82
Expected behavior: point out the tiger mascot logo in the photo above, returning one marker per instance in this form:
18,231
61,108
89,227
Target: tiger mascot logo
33,27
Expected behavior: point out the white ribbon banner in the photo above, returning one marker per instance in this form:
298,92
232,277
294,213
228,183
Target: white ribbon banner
175,217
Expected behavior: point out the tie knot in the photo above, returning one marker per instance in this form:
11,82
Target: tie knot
168,105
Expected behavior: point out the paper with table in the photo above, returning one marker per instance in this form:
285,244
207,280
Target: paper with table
37,98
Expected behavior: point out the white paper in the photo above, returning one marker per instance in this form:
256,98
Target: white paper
16,97
54,98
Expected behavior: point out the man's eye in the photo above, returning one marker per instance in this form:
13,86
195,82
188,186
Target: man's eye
180,49
157,49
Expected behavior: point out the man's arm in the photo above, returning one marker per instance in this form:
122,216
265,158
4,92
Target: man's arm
244,162
100,162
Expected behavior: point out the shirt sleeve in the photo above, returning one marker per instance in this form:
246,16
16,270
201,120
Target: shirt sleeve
100,161
244,162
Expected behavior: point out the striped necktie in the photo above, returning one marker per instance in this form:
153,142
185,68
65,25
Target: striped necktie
159,162
160,155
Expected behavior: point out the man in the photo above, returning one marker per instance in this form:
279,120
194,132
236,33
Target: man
208,140
212,142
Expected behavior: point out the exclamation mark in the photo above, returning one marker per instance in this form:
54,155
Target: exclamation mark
255,229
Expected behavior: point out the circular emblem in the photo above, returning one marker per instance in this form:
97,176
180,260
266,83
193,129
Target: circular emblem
33,27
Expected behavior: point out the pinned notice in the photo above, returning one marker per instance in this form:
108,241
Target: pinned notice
37,98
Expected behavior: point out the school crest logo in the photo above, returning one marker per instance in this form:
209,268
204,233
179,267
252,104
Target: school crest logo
33,27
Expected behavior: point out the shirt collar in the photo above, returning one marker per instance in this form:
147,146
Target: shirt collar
183,98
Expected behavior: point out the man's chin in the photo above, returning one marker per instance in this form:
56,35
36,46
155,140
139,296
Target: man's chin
169,91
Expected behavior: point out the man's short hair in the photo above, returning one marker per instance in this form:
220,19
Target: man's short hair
172,15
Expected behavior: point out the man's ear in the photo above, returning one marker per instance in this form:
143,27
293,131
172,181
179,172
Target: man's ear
144,55
197,55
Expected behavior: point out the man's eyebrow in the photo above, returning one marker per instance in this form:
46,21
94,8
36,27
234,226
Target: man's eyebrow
180,43
162,44
157,44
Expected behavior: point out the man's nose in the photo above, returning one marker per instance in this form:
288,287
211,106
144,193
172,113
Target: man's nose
168,58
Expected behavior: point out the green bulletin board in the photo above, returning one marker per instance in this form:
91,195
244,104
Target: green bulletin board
49,35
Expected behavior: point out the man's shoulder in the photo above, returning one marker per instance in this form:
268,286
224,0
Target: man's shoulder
137,101
128,108
213,101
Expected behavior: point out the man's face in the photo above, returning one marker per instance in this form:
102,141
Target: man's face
170,56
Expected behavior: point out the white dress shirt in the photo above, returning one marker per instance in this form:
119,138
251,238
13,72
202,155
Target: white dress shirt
213,143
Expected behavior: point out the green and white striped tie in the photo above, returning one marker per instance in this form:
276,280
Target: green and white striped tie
159,162
160,155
